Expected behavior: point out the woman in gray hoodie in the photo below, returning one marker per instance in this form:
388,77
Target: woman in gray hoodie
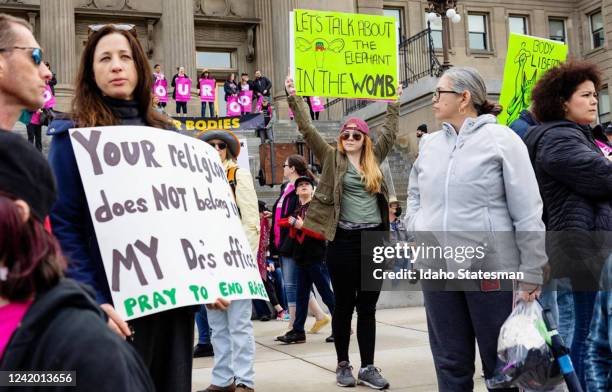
473,184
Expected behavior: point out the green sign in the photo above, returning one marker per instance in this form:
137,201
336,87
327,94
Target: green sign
336,54
528,58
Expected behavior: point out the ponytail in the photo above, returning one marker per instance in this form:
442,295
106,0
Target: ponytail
489,107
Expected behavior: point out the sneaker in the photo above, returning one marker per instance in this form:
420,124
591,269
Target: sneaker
215,388
283,316
203,350
330,339
293,337
243,388
319,324
344,375
371,377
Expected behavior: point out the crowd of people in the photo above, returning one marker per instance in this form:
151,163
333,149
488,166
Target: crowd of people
549,171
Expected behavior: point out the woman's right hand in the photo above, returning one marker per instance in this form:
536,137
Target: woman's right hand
115,322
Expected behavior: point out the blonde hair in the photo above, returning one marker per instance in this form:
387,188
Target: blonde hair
371,176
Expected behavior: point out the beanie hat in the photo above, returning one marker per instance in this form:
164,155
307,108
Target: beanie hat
25,174
422,128
304,179
361,125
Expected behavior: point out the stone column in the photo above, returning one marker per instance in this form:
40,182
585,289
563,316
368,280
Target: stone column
57,33
179,38
263,35
280,30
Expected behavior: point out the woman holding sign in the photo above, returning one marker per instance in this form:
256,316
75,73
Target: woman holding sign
351,199
114,88
207,87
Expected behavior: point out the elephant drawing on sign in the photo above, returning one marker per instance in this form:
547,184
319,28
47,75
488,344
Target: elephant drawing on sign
319,46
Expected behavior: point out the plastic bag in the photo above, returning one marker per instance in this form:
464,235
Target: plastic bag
524,357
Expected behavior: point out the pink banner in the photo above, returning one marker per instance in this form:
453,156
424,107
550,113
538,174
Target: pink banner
160,88
316,104
183,89
207,90
233,107
246,100
259,104
49,98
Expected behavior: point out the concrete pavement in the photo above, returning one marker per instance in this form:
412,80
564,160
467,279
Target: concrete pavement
402,352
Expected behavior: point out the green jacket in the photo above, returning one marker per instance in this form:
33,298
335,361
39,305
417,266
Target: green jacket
324,212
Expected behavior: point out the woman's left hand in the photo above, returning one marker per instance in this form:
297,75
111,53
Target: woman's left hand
529,292
299,223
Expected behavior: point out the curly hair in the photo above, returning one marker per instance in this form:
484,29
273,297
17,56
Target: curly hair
557,87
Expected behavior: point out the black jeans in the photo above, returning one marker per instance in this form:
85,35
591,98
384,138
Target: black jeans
344,264
181,105
35,135
165,343
456,320
307,275
211,107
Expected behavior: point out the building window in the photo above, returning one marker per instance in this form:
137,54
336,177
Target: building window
477,27
597,29
603,105
213,59
517,24
436,32
398,14
556,29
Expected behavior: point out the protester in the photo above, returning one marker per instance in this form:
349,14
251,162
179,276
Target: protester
475,176
308,253
262,86
53,81
313,115
601,139
608,133
281,245
523,122
421,130
576,185
157,105
245,85
211,105
265,134
180,106
204,347
48,323
351,199
157,76
34,130
232,329
230,87
113,87
20,59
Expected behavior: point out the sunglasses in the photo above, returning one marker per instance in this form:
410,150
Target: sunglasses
37,55
220,145
355,135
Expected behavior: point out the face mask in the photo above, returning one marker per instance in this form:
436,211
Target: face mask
398,211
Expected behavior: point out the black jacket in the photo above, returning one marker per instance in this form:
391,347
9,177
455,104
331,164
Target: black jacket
262,84
285,247
64,330
230,88
575,181
310,249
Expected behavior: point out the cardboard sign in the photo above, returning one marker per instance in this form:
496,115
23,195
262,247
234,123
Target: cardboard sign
343,55
316,104
48,97
245,97
207,90
167,226
233,106
528,58
183,89
160,89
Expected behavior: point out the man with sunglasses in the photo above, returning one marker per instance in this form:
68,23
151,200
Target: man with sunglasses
23,74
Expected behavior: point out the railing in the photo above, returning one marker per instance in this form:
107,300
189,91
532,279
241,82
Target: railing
417,59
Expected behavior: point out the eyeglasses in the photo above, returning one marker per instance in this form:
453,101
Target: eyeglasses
124,27
219,146
438,92
37,55
355,135
286,165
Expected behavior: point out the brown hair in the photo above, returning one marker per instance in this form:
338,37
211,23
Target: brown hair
7,33
557,87
299,164
89,109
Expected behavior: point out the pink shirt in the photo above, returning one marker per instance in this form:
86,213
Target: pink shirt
279,213
10,317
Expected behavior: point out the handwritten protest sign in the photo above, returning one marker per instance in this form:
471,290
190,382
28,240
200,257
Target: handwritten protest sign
344,55
183,89
160,88
48,97
207,90
168,228
245,98
528,58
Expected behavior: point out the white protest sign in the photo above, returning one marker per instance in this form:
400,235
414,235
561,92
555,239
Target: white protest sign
166,222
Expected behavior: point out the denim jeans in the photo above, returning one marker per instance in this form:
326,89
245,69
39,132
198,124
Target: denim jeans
290,279
279,286
584,303
234,344
201,319
307,275
211,106
558,297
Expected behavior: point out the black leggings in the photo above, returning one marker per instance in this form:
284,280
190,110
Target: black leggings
344,261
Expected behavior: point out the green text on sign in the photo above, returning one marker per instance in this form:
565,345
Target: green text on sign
528,58
344,55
